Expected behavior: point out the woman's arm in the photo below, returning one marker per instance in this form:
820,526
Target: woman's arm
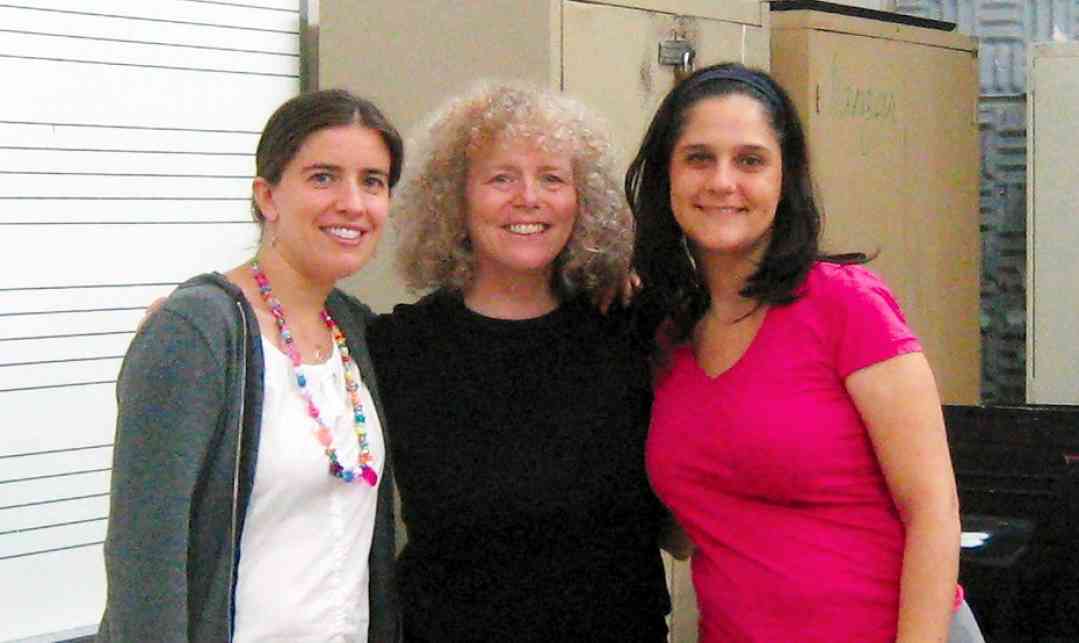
170,394
898,401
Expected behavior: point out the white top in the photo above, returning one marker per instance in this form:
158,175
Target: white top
303,575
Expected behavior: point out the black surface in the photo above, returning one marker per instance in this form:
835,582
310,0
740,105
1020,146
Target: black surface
860,12
1018,467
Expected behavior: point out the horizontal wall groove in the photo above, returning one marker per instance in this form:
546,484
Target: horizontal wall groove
41,197
101,334
51,526
48,476
151,42
31,148
54,452
132,222
53,386
38,503
73,310
85,286
157,20
134,127
131,174
70,360
170,67
54,549
245,6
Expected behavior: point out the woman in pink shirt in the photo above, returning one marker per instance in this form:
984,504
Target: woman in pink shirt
797,432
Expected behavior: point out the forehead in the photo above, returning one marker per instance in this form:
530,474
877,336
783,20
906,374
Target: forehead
351,144
534,149
733,119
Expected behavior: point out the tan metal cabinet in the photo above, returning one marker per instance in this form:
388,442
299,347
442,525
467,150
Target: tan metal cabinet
890,113
410,55
1052,225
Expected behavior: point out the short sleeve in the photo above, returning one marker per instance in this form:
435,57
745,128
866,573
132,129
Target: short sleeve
871,327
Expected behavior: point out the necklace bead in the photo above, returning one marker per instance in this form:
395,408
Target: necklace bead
363,469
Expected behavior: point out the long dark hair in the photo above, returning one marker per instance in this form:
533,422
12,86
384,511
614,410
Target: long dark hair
673,290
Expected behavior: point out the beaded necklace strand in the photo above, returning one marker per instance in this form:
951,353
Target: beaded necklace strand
363,468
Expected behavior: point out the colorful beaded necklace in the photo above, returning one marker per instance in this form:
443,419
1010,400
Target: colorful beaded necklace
363,468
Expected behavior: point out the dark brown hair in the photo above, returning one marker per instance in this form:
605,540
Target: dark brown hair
300,117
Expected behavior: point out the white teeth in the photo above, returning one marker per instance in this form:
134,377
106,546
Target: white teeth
526,228
344,233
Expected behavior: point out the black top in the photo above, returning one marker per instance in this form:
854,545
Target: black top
518,448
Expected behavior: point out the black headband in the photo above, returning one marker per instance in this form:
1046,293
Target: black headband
744,76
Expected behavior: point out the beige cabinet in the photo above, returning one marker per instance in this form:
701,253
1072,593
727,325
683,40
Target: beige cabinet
410,56
891,117
1052,224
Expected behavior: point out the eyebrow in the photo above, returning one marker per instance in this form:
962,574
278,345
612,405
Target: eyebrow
753,147
320,166
337,168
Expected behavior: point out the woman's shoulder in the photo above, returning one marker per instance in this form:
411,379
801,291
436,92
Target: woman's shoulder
419,314
191,332
207,304
408,324
356,306
835,280
853,296
205,296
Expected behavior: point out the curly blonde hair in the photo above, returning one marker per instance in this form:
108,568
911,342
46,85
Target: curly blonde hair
430,208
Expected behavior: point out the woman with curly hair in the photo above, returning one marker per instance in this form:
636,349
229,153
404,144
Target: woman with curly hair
519,412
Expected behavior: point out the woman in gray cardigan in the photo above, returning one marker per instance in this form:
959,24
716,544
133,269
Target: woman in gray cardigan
251,490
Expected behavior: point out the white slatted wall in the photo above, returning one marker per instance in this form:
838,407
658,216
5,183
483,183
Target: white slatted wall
127,137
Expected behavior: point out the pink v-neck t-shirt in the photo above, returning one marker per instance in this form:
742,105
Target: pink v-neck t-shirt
769,468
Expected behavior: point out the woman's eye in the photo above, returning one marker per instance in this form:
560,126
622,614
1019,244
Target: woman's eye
501,178
751,161
553,179
374,183
697,158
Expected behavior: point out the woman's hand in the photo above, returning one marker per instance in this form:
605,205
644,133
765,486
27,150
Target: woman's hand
898,401
630,286
674,541
150,310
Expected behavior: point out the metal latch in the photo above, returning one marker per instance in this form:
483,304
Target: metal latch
678,54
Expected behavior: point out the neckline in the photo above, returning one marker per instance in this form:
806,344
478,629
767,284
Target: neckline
549,319
741,358
334,353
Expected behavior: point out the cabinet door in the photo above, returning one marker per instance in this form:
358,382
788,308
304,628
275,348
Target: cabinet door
610,56
1053,229
894,149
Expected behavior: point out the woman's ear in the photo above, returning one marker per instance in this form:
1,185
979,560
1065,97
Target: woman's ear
263,193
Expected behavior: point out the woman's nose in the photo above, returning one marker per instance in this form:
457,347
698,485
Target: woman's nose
528,194
722,178
352,198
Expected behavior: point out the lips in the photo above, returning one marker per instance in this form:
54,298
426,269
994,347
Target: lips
344,233
526,228
722,209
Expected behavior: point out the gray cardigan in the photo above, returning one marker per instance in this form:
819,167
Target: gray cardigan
189,401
